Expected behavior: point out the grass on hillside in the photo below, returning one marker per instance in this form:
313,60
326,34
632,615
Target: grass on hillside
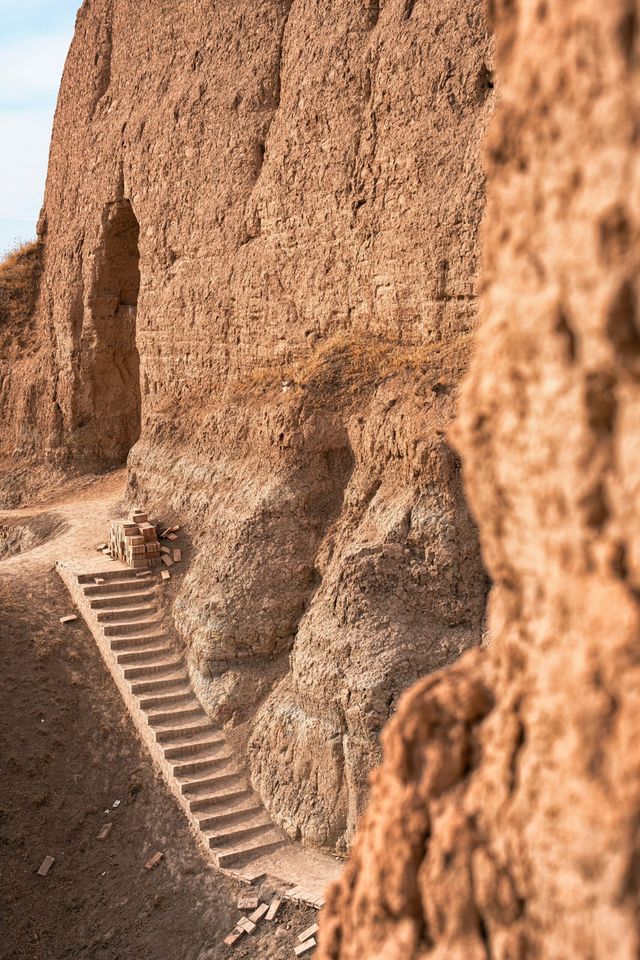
20,273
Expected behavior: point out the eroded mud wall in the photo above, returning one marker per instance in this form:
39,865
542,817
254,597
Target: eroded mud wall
29,414
306,187
504,820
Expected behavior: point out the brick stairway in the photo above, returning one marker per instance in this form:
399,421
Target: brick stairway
212,788
228,818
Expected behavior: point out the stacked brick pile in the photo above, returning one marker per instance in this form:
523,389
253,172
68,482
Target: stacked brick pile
135,541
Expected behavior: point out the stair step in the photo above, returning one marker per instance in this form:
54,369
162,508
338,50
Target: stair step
131,626
131,640
176,732
203,766
121,588
222,836
202,783
126,613
242,852
179,694
234,813
197,746
228,793
106,574
161,683
140,655
129,599
183,714
166,665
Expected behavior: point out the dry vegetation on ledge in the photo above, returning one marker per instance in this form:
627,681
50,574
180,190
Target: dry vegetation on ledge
347,367
20,273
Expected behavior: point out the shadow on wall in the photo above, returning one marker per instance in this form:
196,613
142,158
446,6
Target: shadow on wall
114,362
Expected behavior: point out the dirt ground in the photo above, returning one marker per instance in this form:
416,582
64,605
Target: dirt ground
68,751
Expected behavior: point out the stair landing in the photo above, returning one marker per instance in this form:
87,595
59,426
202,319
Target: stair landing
226,817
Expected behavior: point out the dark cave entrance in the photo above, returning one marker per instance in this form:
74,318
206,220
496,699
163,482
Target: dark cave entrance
115,380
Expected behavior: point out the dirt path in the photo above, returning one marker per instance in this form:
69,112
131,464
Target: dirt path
68,751
82,512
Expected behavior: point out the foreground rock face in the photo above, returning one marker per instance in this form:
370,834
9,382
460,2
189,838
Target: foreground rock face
261,254
504,820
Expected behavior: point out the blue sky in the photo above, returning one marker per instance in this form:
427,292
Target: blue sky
34,39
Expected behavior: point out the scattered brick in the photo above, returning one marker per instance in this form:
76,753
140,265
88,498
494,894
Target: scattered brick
46,865
106,830
154,861
309,945
165,575
234,936
69,619
273,908
308,933
177,555
168,562
248,901
171,536
258,914
247,925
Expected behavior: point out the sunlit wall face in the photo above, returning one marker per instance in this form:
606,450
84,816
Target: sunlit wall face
34,39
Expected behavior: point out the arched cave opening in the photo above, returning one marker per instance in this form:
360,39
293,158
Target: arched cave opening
115,375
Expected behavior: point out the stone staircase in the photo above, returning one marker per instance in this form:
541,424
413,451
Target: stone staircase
125,618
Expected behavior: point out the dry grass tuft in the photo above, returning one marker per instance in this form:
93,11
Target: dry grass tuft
20,273
346,366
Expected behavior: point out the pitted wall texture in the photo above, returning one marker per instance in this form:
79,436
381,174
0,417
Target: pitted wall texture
504,820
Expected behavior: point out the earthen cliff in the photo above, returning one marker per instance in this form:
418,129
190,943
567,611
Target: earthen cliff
260,239
504,820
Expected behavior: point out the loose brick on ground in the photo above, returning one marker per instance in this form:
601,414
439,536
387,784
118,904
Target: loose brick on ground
46,865
258,914
233,937
304,947
308,933
273,908
248,901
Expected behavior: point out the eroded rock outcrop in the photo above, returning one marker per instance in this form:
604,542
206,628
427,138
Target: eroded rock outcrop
261,254
29,414
504,820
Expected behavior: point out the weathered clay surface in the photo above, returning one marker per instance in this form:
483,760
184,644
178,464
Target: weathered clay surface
261,254
400,592
504,820
27,382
